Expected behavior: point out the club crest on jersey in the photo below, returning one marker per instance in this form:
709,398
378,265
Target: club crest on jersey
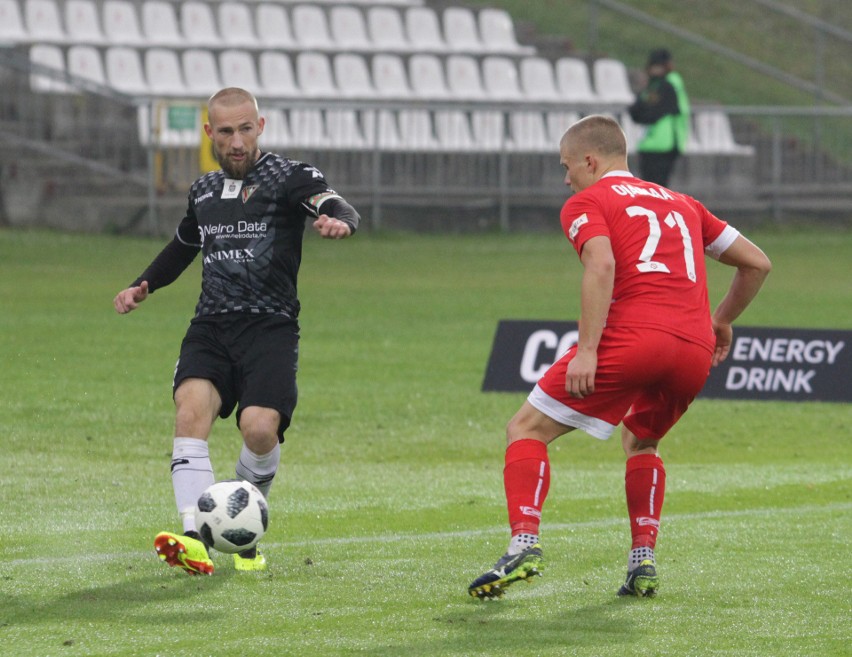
248,191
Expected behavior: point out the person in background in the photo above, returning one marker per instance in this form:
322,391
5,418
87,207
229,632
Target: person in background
662,106
241,349
647,340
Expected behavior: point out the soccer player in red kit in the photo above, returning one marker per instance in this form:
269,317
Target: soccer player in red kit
647,340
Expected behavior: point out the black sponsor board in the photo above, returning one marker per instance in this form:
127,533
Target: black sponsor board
789,364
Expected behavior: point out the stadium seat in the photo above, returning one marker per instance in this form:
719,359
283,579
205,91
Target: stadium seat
313,73
416,131
43,24
489,130
558,122
460,30
310,27
200,72
307,128
348,30
237,69
464,78
82,23
160,23
452,128
49,56
611,82
276,130
198,25
424,30
501,78
497,32
714,133
381,129
632,131
529,133
273,27
537,80
353,76
386,31
163,72
426,73
344,129
124,70
121,24
84,61
573,81
12,28
276,75
236,25
389,77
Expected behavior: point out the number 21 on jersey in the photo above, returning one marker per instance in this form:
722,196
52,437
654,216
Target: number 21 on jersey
673,220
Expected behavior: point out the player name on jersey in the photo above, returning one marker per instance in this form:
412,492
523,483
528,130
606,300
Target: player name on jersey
764,363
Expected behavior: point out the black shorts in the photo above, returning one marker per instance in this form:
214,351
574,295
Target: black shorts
250,359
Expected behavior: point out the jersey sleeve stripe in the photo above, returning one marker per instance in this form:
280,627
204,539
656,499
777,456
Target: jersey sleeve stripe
721,244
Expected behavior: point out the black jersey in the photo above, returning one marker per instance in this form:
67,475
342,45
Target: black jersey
250,234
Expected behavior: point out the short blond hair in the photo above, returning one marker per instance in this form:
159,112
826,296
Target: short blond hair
599,133
231,96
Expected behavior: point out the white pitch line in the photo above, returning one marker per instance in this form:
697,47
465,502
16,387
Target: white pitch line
459,534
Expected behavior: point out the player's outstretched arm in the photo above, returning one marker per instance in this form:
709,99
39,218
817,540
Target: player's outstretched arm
332,228
752,269
129,299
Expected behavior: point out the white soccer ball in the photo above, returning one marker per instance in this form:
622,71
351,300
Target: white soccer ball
231,516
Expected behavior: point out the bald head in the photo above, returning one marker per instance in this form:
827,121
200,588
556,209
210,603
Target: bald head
590,148
230,97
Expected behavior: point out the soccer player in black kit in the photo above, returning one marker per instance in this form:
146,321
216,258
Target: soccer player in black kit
241,348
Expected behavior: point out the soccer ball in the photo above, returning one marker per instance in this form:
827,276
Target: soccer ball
231,516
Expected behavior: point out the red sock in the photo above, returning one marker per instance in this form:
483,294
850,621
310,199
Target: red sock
645,485
526,478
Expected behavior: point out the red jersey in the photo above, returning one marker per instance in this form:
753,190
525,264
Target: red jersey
658,238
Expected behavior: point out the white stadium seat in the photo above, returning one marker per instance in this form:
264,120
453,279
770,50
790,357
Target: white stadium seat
381,130
424,30
307,128
276,74
384,25
464,78
452,128
344,129
198,25
529,133
163,72
538,81
310,27
489,130
497,32
501,78
43,24
237,69
49,56
460,30
348,29
273,27
160,23
313,73
121,24
573,81
352,76
426,73
714,133
558,122
276,129
415,130
84,61
12,28
389,77
611,82
236,25
200,72
632,131
124,70
82,23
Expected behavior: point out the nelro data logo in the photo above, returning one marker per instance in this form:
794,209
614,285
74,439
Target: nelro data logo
764,363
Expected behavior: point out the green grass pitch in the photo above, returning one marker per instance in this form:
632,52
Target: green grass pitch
389,500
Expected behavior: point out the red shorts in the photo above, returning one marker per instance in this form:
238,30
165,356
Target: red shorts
651,374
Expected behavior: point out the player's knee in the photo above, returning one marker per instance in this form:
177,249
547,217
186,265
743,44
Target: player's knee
259,427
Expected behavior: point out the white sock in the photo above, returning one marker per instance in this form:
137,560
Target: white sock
192,473
521,542
637,556
259,469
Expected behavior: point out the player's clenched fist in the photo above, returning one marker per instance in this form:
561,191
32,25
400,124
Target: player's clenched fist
332,228
129,299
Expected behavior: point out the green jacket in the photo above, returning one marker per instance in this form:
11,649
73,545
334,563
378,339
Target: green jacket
668,128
